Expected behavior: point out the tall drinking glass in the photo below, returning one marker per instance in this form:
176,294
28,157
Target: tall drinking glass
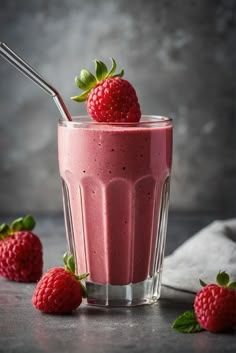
115,183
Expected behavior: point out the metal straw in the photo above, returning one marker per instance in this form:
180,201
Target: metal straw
28,71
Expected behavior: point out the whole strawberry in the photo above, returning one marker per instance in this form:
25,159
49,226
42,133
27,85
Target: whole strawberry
214,308
21,255
215,305
108,97
60,291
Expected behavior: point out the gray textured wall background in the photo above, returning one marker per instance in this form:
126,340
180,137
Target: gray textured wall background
179,55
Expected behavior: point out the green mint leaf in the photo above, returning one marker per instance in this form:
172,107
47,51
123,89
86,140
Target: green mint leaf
28,222
88,80
222,279
232,285
100,70
187,323
203,284
17,225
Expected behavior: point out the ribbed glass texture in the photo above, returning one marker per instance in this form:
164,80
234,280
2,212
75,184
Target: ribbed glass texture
115,183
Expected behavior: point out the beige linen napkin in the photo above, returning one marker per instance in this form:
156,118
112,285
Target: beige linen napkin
209,251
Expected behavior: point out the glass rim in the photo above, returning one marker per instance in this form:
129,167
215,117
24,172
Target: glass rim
86,121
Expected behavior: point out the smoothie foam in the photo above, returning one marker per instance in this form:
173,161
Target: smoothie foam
113,180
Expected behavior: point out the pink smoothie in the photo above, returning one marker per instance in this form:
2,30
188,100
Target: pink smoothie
113,177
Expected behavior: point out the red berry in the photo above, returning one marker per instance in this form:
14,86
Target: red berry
108,97
58,291
21,257
113,100
215,308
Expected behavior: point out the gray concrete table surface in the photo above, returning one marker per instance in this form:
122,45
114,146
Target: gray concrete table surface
146,328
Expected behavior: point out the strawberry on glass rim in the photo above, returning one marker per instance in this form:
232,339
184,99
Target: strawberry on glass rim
108,97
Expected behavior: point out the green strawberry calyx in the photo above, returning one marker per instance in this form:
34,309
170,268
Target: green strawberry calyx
69,263
86,80
23,223
222,279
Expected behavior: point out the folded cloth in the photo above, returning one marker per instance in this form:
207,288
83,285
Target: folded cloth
209,251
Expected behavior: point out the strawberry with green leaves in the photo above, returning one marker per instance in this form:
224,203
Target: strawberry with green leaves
21,253
60,290
214,308
108,97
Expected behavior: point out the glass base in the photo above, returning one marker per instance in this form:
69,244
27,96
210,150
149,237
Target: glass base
133,294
